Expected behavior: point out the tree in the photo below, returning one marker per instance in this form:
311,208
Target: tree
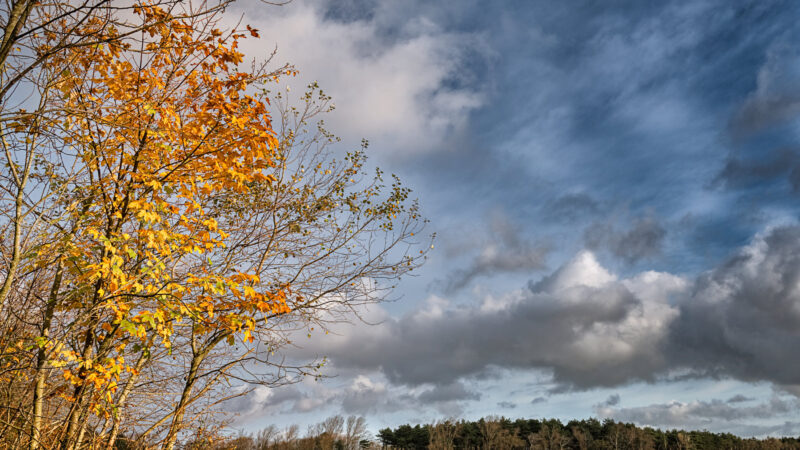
355,433
387,437
581,438
164,235
443,434
549,437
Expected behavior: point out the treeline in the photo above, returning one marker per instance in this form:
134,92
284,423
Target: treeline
551,434
490,433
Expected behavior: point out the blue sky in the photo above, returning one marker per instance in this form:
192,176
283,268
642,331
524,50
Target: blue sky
614,187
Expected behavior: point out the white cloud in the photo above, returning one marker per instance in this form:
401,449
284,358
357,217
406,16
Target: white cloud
395,92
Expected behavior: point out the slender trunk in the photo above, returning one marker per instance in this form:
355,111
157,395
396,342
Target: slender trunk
75,413
123,397
16,249
180,410
198,355
42,363
16,20
77,417
82,431
73,417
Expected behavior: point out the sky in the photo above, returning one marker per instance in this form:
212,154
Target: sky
615,192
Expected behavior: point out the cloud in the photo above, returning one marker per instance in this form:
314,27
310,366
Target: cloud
775,99
362,395
446,393
505,252
538,400
570,207
740,173
619,111
698,414
507,405
365,396
589,327
739,398
612,400
743,318
642,240
270,400
397,89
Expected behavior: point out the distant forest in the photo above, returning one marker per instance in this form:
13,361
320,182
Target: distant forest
495,433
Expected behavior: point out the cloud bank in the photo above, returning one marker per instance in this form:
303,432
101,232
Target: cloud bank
593,329
589,327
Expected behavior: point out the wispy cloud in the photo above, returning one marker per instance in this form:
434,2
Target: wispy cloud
505,251
643,240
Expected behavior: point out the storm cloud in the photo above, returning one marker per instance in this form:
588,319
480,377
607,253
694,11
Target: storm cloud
589,327
594,329
743,318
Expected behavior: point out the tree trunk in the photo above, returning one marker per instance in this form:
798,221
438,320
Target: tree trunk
123,396
42,363
16,248
16,20
73,418
180,410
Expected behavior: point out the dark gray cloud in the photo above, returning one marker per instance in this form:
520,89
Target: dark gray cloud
761,112
506,251
588,327
742,318
740,173
612,400
739,398
507,405
539,400
776,98
643,240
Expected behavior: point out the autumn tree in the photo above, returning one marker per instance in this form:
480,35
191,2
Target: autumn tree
355,432
443,434
334,432
37,37
166,236
549,437
37,167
